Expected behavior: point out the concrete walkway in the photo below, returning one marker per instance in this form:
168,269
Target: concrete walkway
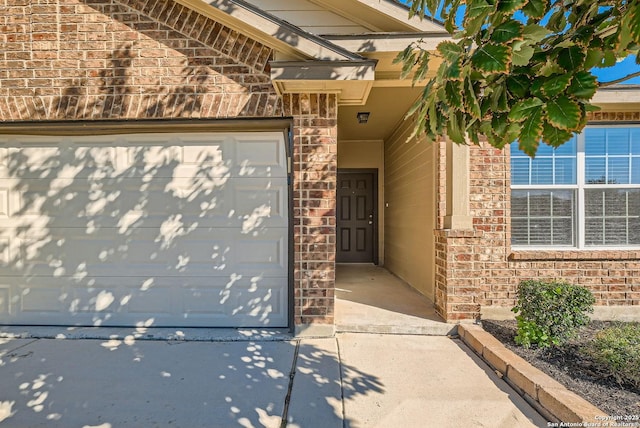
352,380
369,299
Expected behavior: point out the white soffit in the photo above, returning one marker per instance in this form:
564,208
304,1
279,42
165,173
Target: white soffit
352,81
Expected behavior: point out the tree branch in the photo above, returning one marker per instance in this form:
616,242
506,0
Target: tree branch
622,79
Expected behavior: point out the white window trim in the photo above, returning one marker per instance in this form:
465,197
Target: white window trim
580,186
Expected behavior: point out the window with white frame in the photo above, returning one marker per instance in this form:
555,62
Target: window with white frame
584,194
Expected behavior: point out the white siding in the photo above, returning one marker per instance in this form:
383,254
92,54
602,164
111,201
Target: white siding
310,17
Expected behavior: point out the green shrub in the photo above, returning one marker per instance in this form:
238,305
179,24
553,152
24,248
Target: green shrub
550,312
616,351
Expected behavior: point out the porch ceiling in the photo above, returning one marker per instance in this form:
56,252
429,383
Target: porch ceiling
387,107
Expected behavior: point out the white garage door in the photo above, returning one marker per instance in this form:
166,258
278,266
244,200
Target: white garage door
144,230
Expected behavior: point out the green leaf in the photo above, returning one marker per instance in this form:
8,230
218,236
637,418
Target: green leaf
473,132
549,68
588,107
449,17
584,85
432,113
510,6
507,32
593,58
504,130
476,13
557,21
522,53
472,106
522,109
633,20
423,67
625,36
455,128
534,32
555,85
609,59
518,85
404,55
454,71
477,8
553,136
583,36
449,50
442,69
535,9
492,58
571,58
531,131
499,99
536,88
453,92
564,113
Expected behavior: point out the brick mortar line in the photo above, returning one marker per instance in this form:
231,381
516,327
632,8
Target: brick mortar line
535,386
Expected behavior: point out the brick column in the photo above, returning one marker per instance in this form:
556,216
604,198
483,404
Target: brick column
314,199
471,264
458,277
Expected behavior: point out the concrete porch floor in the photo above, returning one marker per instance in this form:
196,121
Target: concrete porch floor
369,299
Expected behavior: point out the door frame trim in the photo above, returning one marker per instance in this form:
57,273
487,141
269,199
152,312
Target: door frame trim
374,173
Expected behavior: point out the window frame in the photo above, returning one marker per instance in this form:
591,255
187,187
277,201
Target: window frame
579,189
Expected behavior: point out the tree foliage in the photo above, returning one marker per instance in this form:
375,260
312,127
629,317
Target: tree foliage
517,69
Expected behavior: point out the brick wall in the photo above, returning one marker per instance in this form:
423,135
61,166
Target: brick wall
72,59
146,59
315,169
478,268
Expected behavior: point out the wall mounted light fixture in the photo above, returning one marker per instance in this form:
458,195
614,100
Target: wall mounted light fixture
363,116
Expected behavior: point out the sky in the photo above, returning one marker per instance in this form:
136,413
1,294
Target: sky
621,69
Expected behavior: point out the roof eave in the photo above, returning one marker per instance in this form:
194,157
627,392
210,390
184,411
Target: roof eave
387,42
618,98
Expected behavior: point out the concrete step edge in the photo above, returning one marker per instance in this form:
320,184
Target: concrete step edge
434,330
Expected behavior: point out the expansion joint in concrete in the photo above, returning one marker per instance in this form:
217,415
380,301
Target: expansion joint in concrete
292,375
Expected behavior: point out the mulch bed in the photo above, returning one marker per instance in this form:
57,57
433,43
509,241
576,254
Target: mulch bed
576,373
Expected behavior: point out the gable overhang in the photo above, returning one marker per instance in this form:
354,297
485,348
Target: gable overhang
287,39
350,80
370,43
384,48
618,98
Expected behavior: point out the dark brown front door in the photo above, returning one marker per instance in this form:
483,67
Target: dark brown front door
356,217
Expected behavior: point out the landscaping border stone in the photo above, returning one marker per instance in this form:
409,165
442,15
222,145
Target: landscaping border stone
552,398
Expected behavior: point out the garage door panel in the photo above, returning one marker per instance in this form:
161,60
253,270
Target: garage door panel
39,299
253,153
173,252
261,300
5,299
148,229
239,156
4,201
141,156
54,158
240,203
160,302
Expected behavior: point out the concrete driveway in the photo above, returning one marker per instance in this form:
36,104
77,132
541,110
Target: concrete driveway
352,380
